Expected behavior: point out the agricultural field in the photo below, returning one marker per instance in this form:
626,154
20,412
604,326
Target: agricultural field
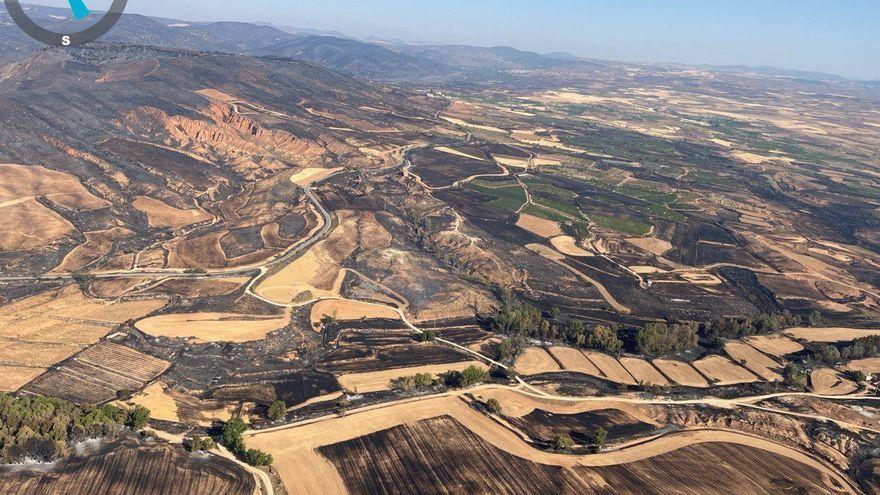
131,466
97,374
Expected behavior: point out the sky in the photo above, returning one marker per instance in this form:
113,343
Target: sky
835,36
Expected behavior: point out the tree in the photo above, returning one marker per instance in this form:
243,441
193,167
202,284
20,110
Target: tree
815,319
277,410
858,376
600,438
427,336
794,376
473,375
138,417
256,457
232,431
510,348
604,338
326,321
563,442
493,406
660,339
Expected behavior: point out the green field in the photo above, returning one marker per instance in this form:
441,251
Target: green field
507,197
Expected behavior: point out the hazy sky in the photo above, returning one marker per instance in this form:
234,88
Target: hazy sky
837,36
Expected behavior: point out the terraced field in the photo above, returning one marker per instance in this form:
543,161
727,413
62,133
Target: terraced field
98,373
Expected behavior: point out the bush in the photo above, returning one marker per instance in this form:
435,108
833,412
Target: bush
138,418
493,406
278,410
794,376
471,376
256,457
427,336
419,381
200,444
563,442
600,438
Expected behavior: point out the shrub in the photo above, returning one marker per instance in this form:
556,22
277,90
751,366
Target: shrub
278,410
563,442
197,444
138,417
493,406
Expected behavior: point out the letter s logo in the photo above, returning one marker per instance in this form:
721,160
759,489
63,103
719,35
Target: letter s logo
65,41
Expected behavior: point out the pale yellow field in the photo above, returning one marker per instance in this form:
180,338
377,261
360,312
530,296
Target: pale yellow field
610,367
13,378
868,365
539,226
568,245
574,360
308,176
455,152
775,345
44,329
213,327
725,371
474,126
161,215
834,334
652,245
646,269
347,309
754,360
27,224
509,161
97,245
682,373
643,371
826,381
375,381
318,272
545,251
535,360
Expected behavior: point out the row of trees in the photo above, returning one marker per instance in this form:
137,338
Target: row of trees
521,321
41,427
737,328
863,347
470,376
233,440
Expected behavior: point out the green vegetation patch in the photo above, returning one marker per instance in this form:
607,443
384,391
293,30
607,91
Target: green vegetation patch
509,198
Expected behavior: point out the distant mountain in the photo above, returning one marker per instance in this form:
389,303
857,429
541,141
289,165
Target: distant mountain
560,56
136,29
767,70
473,57
304,31
355,58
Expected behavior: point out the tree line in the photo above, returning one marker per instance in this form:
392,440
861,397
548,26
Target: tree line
520,321
863,347
41,427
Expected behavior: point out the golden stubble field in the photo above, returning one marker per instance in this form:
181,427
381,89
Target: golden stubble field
41,330
24,222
